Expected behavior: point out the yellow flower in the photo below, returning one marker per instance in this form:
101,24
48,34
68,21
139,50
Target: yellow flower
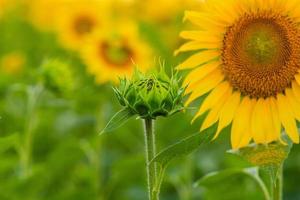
78,20
42,13
113,53
6,5
12,63
247,60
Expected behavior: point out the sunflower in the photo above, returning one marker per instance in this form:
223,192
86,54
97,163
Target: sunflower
12,63
78,20
114,52
246,64
6,5
38,12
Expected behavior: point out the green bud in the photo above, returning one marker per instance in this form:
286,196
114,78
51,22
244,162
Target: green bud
151,95
57,76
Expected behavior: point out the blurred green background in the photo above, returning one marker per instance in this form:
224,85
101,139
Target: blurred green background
52,110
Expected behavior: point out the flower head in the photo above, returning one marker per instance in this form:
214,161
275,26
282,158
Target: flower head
12,63
111,53
151,95
43,13
76,21
247,59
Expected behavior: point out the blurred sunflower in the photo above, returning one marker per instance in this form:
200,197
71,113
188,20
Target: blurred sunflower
6,5
12,63
42,13
112,53
78,20
247,62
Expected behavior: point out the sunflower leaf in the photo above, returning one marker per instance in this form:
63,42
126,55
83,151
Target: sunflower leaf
184,147
119,119
219,184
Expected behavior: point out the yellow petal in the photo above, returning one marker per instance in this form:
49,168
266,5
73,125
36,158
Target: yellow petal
200,72
213,98
201,36
224,10
297,77
258,121
214,114
292,6
228,111
296,90
199,59
286,118
293,102
205,85
196,45
240,132
276,133
205,21
269,125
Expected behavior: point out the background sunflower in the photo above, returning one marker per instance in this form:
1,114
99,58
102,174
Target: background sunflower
115,53
75,22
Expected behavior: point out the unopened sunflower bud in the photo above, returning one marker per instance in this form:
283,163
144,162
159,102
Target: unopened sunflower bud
57,76
151,95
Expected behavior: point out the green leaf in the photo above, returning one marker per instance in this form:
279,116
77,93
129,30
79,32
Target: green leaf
8,142
117,120
234,184
185,146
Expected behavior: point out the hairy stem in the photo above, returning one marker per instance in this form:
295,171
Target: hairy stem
150,149
277,186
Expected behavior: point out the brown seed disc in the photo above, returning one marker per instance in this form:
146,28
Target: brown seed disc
83,25
261,53
119,56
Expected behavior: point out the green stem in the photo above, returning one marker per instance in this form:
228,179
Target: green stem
150,149
262,186
277,186
34,94
100,187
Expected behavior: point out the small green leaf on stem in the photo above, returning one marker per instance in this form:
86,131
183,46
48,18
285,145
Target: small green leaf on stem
117,120
220,182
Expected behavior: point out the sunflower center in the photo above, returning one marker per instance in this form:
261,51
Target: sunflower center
116,54
261,47
83,25
261,53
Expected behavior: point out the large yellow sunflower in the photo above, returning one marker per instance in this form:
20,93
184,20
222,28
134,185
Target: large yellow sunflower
247,61
115,52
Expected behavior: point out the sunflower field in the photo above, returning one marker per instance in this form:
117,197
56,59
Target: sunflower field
149,99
